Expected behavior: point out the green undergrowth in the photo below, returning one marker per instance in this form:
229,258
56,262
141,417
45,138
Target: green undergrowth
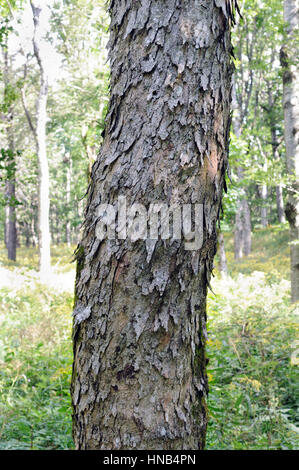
253,368
35,358
251,348
27,258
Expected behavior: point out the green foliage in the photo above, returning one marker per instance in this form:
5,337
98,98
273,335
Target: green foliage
257,156
7,164
11,94
35,365
253,400
76,108
270,253
7,173
5,29
252,327
252,367
35,359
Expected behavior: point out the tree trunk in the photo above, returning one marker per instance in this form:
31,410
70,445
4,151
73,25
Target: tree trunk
68,162
222,255
291,119
139,378
246,227
264,212
11,229
57,225
44,238
275,153
10,190
242,233
280,204
27,234
33,232
238,234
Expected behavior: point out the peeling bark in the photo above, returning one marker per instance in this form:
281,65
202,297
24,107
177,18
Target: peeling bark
139,378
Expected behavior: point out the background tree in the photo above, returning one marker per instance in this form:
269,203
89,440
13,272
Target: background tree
289,61
39,133
8,152
257,150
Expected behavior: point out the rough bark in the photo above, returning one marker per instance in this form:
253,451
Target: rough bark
289,61
139,379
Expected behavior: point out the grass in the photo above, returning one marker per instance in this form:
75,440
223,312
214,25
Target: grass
27,258
35,356
270,253
252,368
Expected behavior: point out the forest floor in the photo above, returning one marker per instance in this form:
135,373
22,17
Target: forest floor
253,368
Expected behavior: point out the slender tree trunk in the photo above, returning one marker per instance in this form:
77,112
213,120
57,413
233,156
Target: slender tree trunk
5,225
33,232
263,190
10,190
264,212
27,234
41,119
11,230
68,162
57,226
39,133
280,204
291,119
239,229
242,233
238,233
222,255
275,153
139,379
246,227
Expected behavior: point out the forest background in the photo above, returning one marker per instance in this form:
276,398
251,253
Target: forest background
252,322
